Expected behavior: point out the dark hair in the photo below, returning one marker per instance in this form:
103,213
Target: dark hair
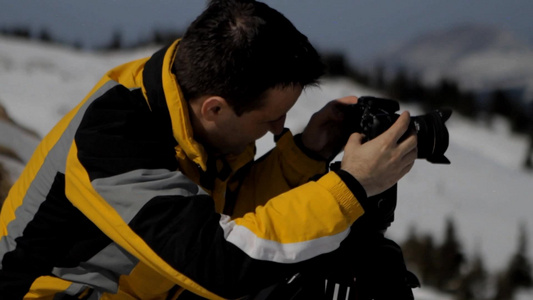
238,49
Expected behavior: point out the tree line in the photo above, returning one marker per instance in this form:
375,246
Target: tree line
447,268
409,88
117,42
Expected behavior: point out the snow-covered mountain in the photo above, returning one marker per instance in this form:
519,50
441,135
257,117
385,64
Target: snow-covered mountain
480,58
484,189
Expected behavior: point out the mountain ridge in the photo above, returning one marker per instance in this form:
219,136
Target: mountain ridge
477,57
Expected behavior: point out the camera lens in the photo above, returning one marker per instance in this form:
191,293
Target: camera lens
433,138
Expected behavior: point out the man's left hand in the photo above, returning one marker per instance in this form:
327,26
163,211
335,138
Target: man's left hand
324,134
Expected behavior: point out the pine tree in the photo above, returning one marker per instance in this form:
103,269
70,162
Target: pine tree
518,274
473,284
411,248
528,162
450,259
427,261
520,266
504,288
116,42
44,36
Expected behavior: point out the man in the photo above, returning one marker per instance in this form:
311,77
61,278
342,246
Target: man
148,189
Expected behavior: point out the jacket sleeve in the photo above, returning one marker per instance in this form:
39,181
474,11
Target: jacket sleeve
285,167
121,175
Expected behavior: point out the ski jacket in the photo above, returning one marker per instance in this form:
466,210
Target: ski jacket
120,202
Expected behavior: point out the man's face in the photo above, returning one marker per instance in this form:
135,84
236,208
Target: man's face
234,133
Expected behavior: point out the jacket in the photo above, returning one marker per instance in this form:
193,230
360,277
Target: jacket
120,202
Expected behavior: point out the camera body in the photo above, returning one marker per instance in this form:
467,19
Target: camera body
372,116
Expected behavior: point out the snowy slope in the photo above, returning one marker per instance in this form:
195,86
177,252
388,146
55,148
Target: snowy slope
477,57
483,189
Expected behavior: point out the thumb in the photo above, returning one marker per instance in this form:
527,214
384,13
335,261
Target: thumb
356,138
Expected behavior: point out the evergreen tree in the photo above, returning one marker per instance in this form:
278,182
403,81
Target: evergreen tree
336,64
528,162
446,93
116,42
21,32
473,284
399,86
379,81
519,270
44,36
450,259
518,274
501,104
427,261
411,249
504,288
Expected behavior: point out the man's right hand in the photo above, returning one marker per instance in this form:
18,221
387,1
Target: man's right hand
379,163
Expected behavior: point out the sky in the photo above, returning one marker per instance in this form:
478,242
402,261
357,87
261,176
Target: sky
359,28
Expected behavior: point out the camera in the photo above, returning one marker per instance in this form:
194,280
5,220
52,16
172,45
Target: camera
375,266
371,116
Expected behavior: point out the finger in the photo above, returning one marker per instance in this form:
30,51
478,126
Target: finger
338,106
347,100
333,110
411,155
406,169
398,129
356,138
409,143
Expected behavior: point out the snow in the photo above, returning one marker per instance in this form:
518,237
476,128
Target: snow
481,58
484,189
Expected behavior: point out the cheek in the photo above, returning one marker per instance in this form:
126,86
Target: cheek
258,133
245,133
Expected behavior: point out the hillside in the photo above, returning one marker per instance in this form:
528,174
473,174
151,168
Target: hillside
484,189
480,58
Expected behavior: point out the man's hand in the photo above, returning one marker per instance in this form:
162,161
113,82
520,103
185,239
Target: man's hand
378,164
324,134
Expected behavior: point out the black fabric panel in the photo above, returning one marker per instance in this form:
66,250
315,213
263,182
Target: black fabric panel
58,236
153,81
186,233
119,133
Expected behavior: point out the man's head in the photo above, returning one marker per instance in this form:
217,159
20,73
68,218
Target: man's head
242,65
238,49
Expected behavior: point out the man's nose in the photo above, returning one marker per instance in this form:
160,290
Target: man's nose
277,126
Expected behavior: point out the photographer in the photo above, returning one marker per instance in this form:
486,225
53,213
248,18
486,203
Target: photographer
148,189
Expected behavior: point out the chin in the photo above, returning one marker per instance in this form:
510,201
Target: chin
230,151
236,150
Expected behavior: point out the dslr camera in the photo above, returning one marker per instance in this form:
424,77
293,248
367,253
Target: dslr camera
371,116
375,267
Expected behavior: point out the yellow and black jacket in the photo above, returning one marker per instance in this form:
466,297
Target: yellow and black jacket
120,202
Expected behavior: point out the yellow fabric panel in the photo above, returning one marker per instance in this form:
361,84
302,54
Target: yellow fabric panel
318,218
179,112
287,166
129,74
144,283
46,287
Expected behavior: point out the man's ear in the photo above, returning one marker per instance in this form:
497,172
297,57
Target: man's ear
213,107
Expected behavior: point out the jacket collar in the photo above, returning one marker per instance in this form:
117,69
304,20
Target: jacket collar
164,94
